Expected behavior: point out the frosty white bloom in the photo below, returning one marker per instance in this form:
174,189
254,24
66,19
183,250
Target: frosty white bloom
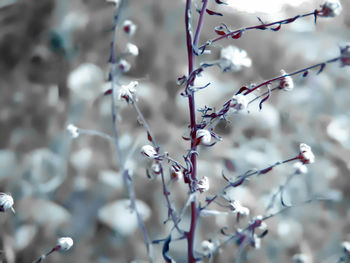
132,49
300,168
65,243
306,154
129,27
203,136
286,83
233,58
127,92
346,246
203,184
237,208
300,258
123,65
6,202
345,55
331,8
73,131
239,102
208,246
149,151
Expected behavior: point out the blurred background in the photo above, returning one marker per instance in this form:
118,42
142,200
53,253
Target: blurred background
53,72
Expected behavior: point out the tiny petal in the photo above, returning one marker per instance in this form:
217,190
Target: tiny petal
331,8
203,136
65,243
123,65
287,83
149,151
233,58
127,92
306,155
129,27
6,202
73,131
300,168
203,184
239,102
132,49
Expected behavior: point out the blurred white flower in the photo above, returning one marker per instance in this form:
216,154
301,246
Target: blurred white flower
239,102
207,246
306,155
73,131
6,202
300,168
129,27
127,92
123,65
203,136
65,243
233,58
132,49
149,151
286,83
203,184
331,8
237,208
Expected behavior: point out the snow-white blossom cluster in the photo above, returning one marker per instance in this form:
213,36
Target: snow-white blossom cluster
306,154
233,58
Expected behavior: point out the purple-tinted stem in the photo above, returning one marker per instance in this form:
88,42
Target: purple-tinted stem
126,176
200,23
231,33
47,254
293,73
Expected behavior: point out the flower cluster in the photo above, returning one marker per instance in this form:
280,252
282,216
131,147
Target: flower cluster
306,155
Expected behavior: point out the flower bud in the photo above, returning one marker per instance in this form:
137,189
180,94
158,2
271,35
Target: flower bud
65,243
132,49
73,131
286,83
123,65
203,136
149,151
129,27
6,202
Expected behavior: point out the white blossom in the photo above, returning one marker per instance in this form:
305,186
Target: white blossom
331,8
208,246
203,184
73,131
123,65
132,49
239,102
149,151
203,136
156,168
233,58
300,168
306,154
176,173
129,27
286,83
237,208
6,202
127,92
65,243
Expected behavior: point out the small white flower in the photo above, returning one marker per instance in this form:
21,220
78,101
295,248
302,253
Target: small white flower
123,65
156,167
306,155
203,136
300,258
208,246
346,246
149,151
331,8
65,243
287,82
345,55
239,102
127,92
233,58
203,184
300,168
132,49
73,131
237,208
6,202
176,173
129,27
